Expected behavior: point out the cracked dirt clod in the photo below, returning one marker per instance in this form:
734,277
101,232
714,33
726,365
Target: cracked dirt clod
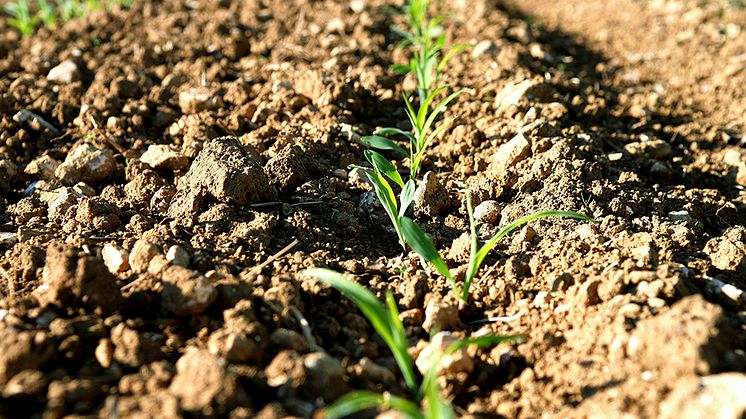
86,163
430,197
203,381
186,292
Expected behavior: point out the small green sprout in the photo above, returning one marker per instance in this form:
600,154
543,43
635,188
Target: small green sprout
385,320
70,9
47,13
21,17
422,244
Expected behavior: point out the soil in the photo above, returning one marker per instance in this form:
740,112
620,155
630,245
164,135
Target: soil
185,160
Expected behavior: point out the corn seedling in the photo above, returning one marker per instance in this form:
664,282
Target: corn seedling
21,17
47,13
70,9
385,321
421,243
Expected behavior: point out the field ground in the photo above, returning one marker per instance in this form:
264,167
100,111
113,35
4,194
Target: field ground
633,112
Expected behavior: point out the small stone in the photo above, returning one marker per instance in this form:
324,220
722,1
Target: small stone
104,352
440,314
64,72
289,339
370,371
141,254
586,231
42,167
8,239
431,198
645,255
234,347
652,149
186,292
458,362
163,156
131,348
541,299
510,153
734,156
84,189
588,293
615,156
681,215
204,382
484,47
340,173
525,235
198,99
513,93
728,252
178,256
325,376
115,258
86,163
488,212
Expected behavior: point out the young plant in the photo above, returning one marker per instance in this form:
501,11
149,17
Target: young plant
385,320
70,9
421,243
21,17
47,13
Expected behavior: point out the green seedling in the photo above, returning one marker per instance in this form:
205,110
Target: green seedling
21,17
421,243
47,13
70,9
385,321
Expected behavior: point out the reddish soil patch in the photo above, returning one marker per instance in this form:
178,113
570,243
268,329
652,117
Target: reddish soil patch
184,144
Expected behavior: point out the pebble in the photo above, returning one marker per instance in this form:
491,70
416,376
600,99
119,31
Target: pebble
430,197
42,167
198,99
325,375
712,396
340,173
588,293
440,314
510,153
514,92
488,212
728,252
86,163
734,156
484,47
84,189
653,149
681,215
8,239
115,258
178,256
234,347
450,365
186,292
64,72
104,352
163,156
140,256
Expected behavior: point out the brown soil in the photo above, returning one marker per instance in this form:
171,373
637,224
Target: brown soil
187,143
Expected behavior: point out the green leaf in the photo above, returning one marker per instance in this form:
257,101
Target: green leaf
474,247
482,253
381,143
356,401
425,106
482,341
451,53
401,68
437,407
388,200
393,131
392,332
406,197
438,108
422,244
383,165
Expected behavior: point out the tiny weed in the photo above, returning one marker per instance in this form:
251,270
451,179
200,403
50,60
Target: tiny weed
26,20
21,17
47,13
385,320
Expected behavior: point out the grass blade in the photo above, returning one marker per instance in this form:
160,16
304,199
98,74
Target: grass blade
393,131
356,401
384,166
439,108
381,143
406,197
422,244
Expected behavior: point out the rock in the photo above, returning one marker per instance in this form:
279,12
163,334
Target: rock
178,256
64,72
431,198
84,189
86,163
163,156
312,375
225,171
734,156
652,149
286,168
141,255
681,215
198,99
510,153
440,314
369,371
104,353
451,365
488,212
513,93
22,350
25,383
484,47
115,258
719,396
133,349
235,346
62,200
289,339
186,292
42,167
73,280
587,294
97,214
203,381
728,252
7,240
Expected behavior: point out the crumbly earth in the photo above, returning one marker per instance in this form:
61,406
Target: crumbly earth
184,161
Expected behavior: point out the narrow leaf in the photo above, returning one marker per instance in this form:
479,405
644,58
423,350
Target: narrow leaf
406,197
422,244
356,401
393,131
381,143
384,166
